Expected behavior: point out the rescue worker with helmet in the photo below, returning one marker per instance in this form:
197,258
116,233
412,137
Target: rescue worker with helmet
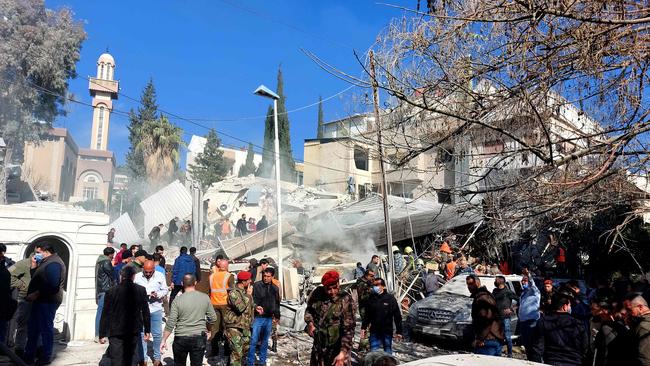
221,281
330,321
445,251
238,318
410,259
398,258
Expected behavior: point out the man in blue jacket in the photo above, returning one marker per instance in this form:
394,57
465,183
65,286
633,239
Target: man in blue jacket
529,315
183,265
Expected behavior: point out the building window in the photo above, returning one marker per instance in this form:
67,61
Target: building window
90,193
444,196
109,72
101,71
100,128
493,147
360,158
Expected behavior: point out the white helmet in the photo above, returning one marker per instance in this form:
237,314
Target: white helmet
395,248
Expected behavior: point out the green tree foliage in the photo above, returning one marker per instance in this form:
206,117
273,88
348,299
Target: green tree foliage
38,52
209,166
160,145
249,167
321,121
287,163
147,111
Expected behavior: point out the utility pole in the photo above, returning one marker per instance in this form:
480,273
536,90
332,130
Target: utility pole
384,190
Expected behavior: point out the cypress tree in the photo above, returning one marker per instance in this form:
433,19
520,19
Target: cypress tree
147,111
249,167
287,164
320,118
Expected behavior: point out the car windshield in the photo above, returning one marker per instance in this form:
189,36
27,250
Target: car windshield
458,286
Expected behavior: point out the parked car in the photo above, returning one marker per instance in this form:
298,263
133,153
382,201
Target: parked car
447,314
470,360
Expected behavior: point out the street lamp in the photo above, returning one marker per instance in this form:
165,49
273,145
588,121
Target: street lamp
265,92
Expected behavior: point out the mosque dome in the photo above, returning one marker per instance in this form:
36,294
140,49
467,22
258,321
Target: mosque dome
106,58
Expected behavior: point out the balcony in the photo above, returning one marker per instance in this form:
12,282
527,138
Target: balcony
104,86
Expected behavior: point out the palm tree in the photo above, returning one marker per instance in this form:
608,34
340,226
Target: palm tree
160,144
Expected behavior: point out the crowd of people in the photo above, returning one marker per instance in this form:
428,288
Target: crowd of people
180,233
31,291
558,323
235,319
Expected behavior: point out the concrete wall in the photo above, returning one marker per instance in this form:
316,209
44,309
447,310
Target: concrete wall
84,235
43,173
51,165
328,165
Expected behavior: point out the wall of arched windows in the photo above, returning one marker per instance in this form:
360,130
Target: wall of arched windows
100,127
105,71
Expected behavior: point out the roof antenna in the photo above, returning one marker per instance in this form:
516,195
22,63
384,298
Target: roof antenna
107,49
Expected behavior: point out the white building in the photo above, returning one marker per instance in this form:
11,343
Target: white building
237,157
78,237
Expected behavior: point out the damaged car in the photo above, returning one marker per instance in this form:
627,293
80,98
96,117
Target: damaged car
447,314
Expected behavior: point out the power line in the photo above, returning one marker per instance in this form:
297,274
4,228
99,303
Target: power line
290,26
50,92
236,118
235,137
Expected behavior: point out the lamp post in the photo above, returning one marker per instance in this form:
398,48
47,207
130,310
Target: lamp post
265,92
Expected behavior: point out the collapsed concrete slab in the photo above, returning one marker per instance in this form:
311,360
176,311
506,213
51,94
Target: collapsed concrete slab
125,231
170,201
364,220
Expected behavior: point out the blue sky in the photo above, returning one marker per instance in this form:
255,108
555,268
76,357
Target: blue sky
206,57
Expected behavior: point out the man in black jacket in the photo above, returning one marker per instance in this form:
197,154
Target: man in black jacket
504,297
266,297
6,307
241,227
381,311
197,264
172,229
563,340
125,313
104,279
488,330
45,292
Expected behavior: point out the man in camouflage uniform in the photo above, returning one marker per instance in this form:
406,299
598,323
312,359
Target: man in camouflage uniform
330,321
364,290
238,317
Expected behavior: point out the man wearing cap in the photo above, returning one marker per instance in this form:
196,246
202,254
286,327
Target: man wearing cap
238,318
155,284
330,321
139,258
546,296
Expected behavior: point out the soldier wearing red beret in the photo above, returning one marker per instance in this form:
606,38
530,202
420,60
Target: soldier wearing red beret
238,317
330,321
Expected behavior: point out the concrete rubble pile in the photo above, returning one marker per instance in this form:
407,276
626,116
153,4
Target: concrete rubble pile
321,231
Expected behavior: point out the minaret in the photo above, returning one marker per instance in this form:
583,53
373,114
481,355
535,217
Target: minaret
103,89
